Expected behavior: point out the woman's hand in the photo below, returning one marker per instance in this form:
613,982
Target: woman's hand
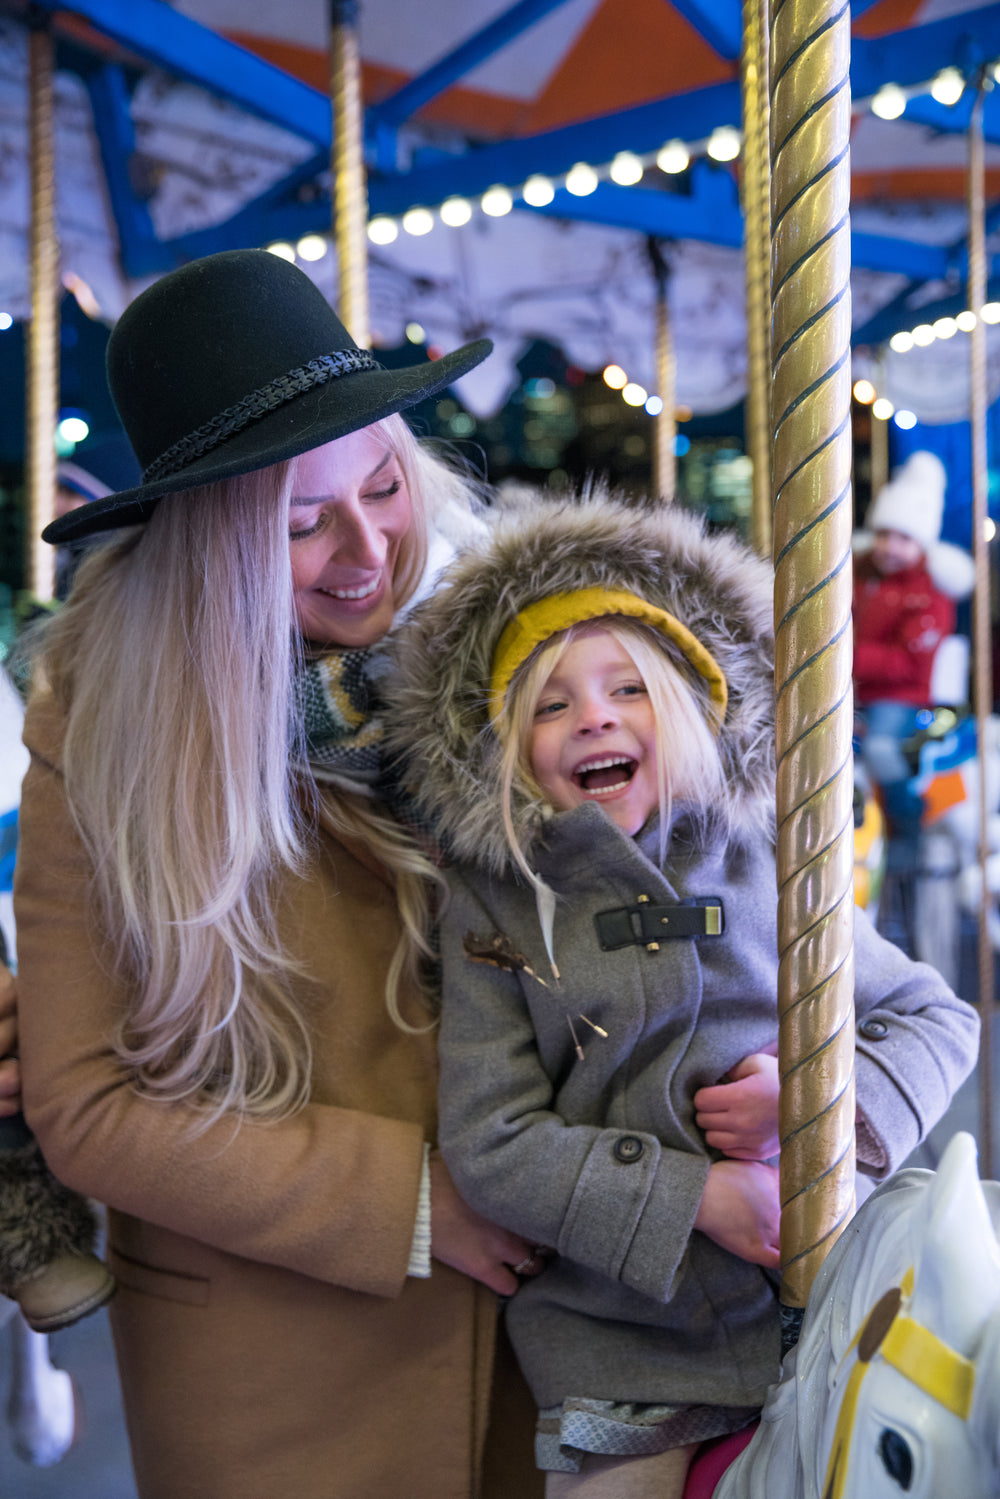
465,1241
741,1210
10,1071
739,1116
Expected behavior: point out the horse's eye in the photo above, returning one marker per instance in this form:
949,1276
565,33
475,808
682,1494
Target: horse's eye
897,1459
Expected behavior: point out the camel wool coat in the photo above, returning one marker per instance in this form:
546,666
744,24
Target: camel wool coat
268,1337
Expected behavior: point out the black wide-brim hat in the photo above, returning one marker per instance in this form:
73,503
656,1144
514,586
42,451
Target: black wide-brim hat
233,363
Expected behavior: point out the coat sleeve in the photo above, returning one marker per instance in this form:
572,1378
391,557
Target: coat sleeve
916,1042
903,659
330,1193
614,1200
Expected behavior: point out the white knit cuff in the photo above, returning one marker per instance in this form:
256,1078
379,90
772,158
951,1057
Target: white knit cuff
420,1250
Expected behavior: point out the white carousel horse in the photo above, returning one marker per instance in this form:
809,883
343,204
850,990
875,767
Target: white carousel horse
40,1405
894,1387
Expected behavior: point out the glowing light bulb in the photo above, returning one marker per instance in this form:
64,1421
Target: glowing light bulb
73,429
282,250
724,143
634,394
673,157
538,191
948,86
6,321
905,420
654,405
991,312
890,102
581,180
615,376
626,169
901,343
989,528
417,221
496,202
415,333
945,327
383,231
923,335
882,409
455,212
312,247
864,391
967,320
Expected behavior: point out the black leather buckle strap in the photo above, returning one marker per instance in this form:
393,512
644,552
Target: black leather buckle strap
646,925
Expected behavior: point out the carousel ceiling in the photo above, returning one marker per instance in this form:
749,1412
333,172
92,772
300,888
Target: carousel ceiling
189,128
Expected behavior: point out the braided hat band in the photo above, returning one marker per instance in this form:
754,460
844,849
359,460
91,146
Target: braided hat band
549,616
257,404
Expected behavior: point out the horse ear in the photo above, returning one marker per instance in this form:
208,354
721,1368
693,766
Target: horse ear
956,1256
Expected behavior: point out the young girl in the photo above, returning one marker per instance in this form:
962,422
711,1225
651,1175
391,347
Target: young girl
586,711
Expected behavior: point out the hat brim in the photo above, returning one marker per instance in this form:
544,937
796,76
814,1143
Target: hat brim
309,420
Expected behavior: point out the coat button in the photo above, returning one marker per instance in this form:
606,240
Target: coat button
873,1030
628,1148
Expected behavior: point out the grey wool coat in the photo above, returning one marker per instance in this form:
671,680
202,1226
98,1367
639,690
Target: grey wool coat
601,1158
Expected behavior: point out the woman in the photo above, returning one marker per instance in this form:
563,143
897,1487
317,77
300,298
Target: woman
205,936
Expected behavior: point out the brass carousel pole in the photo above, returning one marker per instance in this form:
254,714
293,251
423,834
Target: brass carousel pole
983,670
757,241
665,423
347,167
42,350
811,256
878,448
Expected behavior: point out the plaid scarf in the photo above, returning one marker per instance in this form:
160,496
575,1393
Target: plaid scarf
339,706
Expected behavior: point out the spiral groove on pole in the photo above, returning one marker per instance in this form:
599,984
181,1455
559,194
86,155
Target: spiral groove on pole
347,166
665,423
43,334
981,629
810,186
757,242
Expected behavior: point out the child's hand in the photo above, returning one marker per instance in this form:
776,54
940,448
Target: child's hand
741,1210
10,1072
740,1115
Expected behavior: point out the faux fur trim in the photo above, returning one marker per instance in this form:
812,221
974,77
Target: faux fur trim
442,658
39,1217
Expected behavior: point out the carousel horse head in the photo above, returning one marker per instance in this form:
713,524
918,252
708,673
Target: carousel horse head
894,1388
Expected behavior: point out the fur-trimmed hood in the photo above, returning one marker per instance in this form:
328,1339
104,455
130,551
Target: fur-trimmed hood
438,718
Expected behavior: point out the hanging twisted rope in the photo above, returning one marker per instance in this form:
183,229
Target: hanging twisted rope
756,184
42,353
347,167
983,678
810,175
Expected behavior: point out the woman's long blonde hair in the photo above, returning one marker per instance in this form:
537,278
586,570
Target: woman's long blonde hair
185,772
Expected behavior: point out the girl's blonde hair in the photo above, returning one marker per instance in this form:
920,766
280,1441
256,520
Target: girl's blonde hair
185,772
686,721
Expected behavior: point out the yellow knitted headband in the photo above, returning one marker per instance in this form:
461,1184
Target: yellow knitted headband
547,617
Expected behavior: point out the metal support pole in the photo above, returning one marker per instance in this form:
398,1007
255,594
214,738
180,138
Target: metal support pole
42,347
665,424
982,654
811,256
756,183
347,168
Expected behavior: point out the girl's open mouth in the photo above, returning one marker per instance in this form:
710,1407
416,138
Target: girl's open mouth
599,777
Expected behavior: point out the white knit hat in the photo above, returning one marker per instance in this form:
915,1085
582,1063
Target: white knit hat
913,500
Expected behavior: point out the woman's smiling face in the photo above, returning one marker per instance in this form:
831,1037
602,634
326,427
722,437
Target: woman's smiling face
349,512
593,737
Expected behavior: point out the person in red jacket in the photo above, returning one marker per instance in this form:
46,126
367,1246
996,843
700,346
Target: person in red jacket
906,584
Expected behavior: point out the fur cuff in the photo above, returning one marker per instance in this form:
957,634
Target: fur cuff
39,1217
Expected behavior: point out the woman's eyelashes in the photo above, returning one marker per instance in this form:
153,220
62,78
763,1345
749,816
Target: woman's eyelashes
375,497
